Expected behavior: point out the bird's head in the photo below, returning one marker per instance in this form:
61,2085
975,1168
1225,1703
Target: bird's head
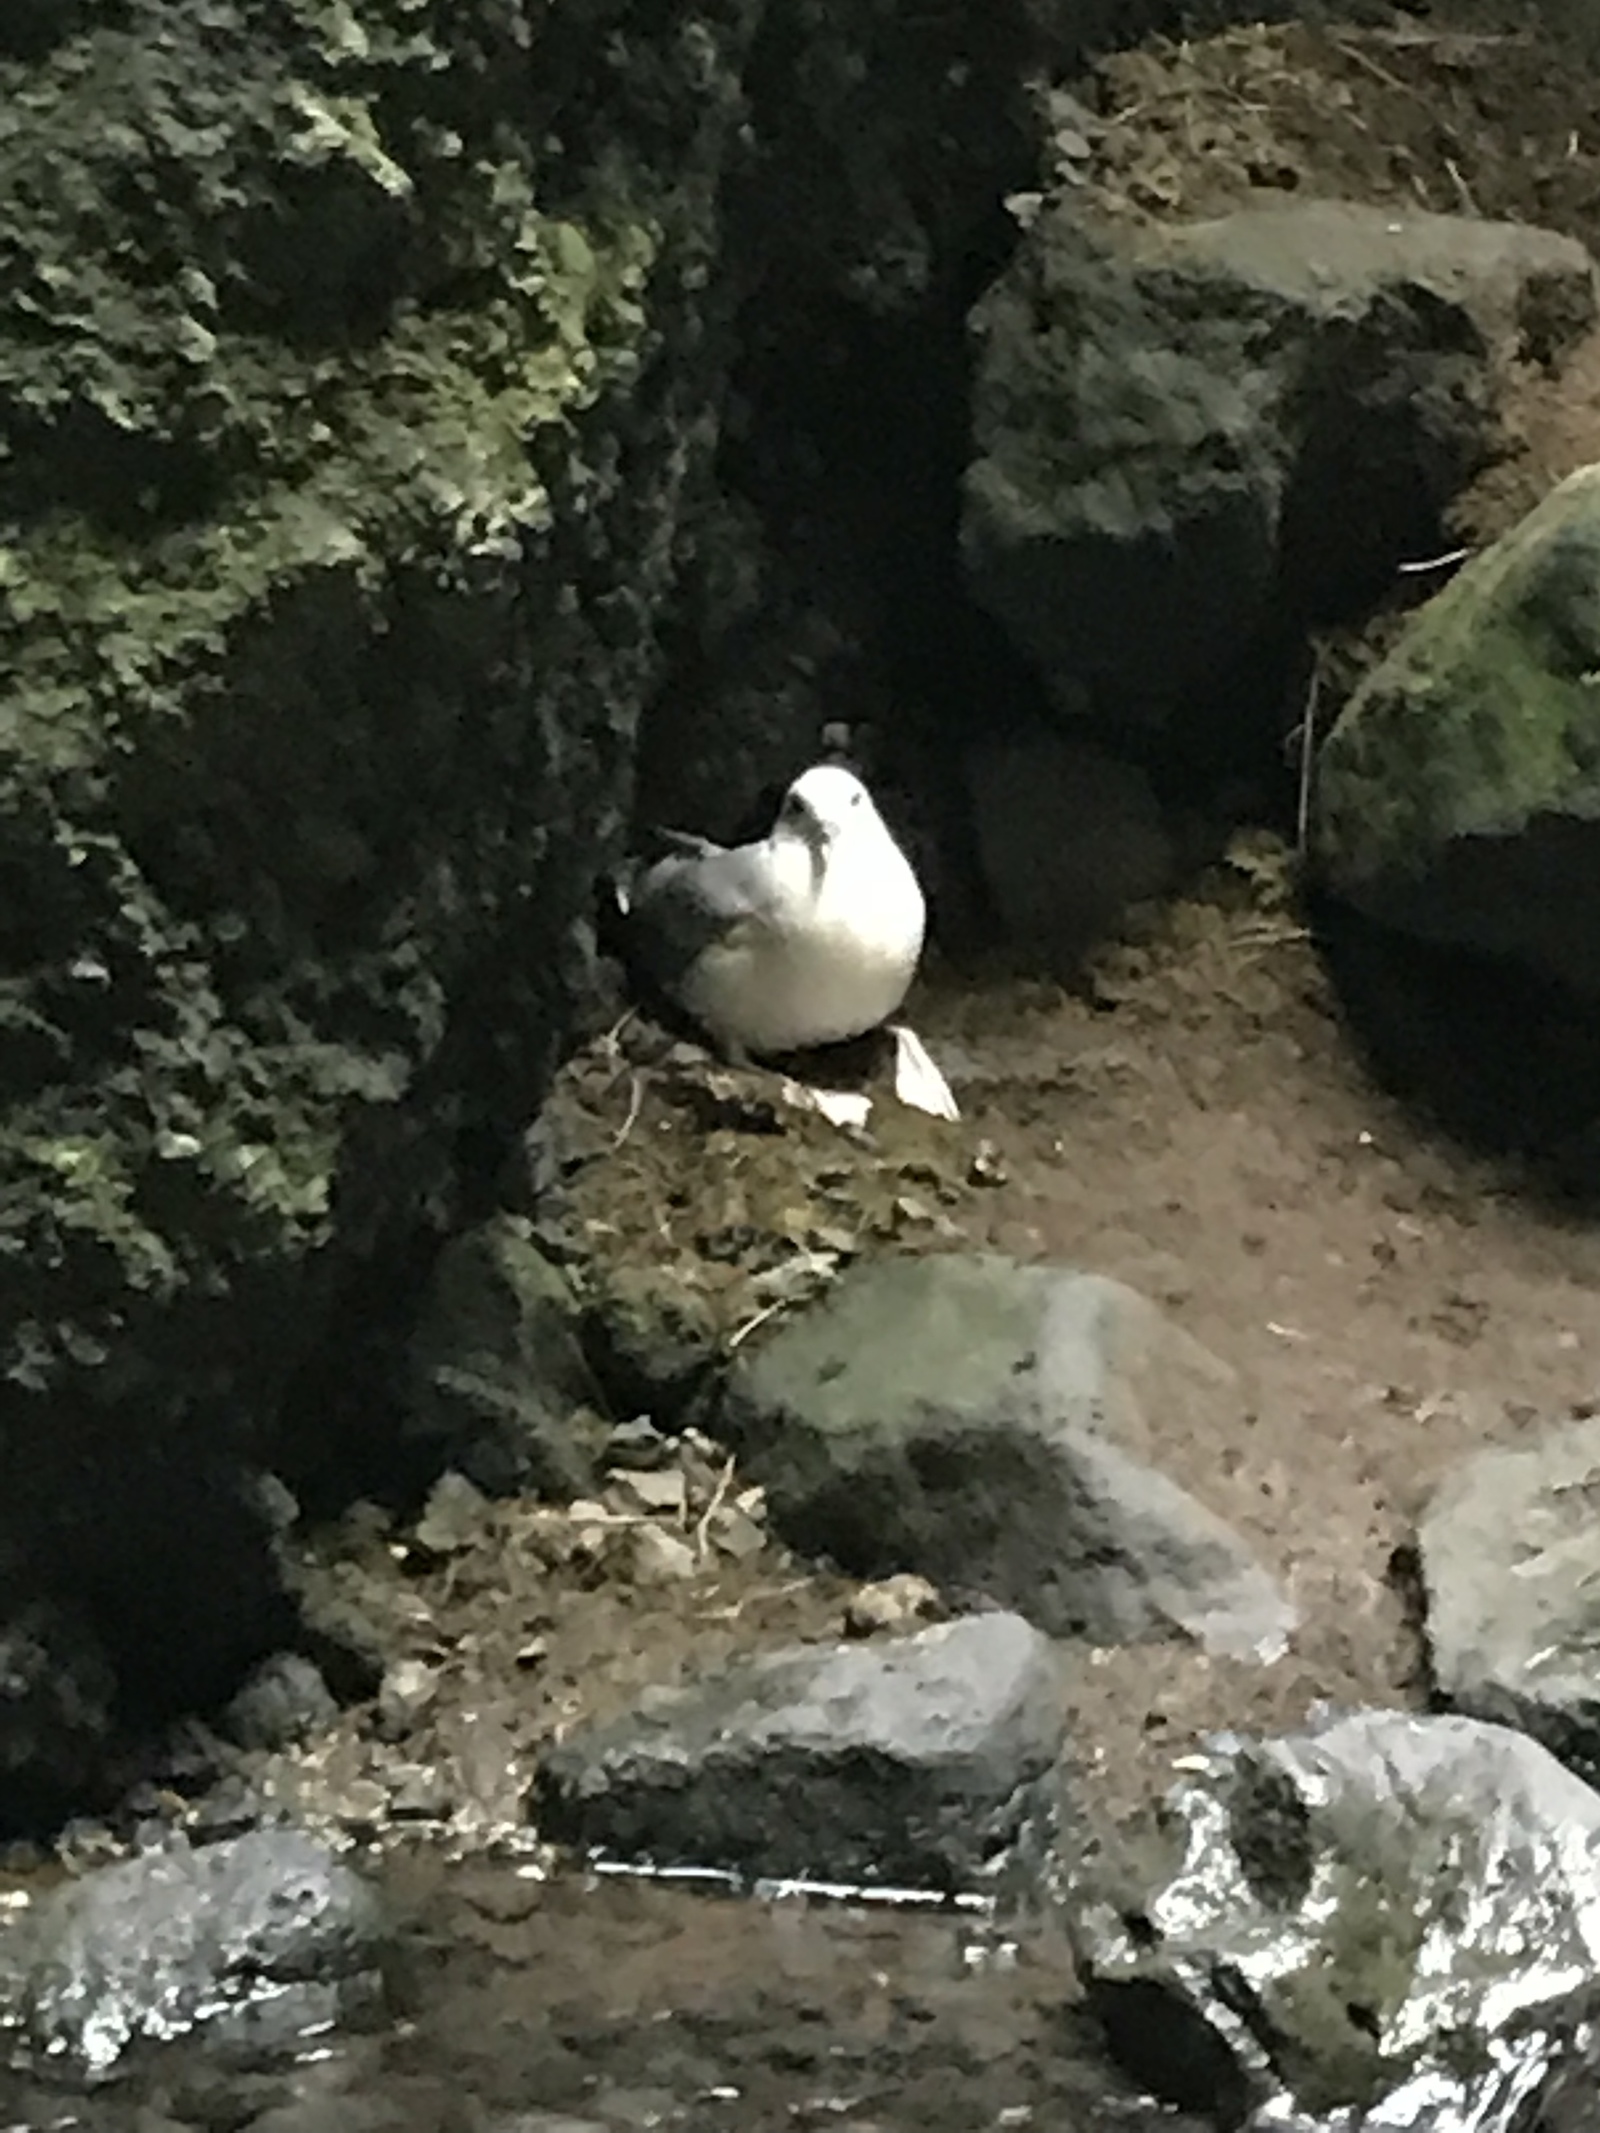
824,804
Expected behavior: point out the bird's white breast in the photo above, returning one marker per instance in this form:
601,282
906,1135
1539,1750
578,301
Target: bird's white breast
838,958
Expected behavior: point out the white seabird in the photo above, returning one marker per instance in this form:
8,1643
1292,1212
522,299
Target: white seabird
809,937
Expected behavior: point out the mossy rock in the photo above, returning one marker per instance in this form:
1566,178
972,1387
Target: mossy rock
1458,796
357,359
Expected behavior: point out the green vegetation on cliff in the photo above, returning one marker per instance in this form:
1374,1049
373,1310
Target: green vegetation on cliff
313,392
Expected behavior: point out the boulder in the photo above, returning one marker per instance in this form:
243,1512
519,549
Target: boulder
268,1929
1192,438
1509,1548
979,1422
1458,795
915,1762
1386,1922
499,1388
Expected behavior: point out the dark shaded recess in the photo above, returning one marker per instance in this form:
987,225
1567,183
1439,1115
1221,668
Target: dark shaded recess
31,29
1500,1059
130,484
1172,2047
185,1629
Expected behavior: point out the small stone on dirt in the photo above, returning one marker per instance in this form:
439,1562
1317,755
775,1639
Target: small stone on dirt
733,1532
891,1604
407,1690
656,1557
638,1445
454,1516
665,1493
284,1703
915,1762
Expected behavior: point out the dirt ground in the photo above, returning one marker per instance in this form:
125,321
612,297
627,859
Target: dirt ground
1196,1123
1194,1117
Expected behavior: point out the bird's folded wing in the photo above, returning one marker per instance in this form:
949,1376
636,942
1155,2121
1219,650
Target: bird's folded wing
685,904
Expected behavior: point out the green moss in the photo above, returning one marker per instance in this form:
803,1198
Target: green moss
298,400
1487,711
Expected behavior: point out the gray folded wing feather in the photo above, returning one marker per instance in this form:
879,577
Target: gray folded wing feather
692,899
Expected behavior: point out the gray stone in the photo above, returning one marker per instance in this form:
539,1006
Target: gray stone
656,1557
1458,796
405,1695
979,1422
269,1926
1185,433
893,1604
1384,1922
914,1762
497,1375
1510,1556
284,1703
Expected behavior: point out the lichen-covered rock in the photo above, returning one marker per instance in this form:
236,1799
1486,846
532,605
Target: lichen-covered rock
1189,438
1458,796
354,365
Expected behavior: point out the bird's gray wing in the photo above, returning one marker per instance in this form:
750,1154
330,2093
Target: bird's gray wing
689,901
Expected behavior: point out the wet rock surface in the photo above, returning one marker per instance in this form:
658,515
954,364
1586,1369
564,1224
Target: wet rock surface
268,1932
1388,1921
914,1762
980,1422
1509,1555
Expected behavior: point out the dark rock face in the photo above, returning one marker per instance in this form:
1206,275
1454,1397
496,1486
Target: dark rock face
1189,438
349,400
498,1385
56,1691
1390,1921
269,1924
976,1421
1510,1555
915,1762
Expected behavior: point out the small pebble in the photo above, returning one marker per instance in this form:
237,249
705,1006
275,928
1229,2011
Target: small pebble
453,1517
660,1558
284,1703
892,1604
665,1493
418,1794
407,1690
638,1445
736,1533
